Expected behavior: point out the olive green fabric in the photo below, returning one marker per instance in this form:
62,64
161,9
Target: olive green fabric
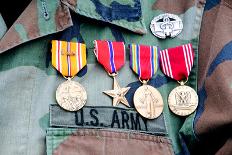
28,81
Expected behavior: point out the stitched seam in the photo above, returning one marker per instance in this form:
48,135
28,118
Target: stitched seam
166,141
156,139
199,15
29,122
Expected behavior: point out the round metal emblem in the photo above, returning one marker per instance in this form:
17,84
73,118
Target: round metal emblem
166,25
183,100
148,102
71,95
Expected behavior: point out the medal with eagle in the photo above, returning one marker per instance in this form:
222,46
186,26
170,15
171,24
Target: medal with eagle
177,63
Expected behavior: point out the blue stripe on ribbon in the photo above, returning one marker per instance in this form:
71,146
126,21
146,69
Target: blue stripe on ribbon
152,60
138,55
111,56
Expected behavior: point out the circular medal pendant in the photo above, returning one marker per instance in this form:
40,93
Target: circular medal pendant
71,95
166,25
148,102
183,100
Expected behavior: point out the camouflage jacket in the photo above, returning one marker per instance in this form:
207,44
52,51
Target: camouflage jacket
32,123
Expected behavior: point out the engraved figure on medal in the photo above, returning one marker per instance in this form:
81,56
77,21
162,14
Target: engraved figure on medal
71,95
148,102
183,100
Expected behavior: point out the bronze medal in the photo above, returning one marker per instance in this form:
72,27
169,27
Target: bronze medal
69,58
183,100
112,56
177,63
144,62
71,95
118,93
148,102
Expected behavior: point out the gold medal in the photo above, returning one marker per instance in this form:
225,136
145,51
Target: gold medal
71,95
148,101
112,56
183,100
69,58
144,62
118,93
177,63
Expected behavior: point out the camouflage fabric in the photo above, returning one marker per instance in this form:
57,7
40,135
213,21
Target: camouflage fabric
3,27
213,119
28,81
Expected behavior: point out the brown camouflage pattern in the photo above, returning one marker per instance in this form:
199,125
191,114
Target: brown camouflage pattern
173,6
214,126
86,142
29,20
31,26
62,17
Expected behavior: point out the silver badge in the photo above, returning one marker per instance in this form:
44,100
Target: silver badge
166,25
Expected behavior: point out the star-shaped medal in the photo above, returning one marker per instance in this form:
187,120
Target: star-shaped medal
118,94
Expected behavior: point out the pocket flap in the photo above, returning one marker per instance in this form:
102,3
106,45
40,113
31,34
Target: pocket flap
98,142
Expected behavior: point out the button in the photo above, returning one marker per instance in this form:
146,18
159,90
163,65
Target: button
166,25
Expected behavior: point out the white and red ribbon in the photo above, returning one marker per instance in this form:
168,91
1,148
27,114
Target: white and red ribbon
177,62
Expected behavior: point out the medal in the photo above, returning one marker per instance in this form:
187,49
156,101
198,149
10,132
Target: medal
111,55
69,58
166,25
144,62
177,63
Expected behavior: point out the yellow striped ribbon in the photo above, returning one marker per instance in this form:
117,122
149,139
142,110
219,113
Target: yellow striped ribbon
68,57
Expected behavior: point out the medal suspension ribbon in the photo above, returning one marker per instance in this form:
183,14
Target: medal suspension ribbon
68,57
111,55
177,62
144,60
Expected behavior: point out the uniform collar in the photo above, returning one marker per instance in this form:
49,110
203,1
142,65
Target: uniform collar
37,20
3,27
41,18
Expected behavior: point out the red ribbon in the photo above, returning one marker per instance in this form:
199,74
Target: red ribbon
110,54
177,62
144,60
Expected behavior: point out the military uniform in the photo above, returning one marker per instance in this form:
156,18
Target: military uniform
29,112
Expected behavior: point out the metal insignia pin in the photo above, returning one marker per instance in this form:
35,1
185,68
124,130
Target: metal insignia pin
166,25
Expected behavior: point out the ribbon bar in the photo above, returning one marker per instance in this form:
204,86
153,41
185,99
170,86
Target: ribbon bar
177,62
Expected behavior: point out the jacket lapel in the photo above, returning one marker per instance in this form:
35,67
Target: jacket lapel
38,19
